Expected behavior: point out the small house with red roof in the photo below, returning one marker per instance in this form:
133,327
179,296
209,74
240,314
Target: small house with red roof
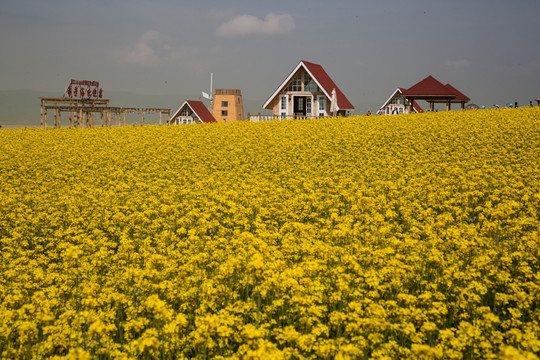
433,91
307,92
398,104
192,112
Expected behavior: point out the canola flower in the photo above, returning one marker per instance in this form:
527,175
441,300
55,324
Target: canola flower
413,236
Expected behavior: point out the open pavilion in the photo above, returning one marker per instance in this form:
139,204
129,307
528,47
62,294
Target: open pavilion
433,91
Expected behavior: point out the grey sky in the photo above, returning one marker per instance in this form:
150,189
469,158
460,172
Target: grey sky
488,49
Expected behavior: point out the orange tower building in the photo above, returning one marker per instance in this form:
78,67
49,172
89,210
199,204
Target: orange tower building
227,105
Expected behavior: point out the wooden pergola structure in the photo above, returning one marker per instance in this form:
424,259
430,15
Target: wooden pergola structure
82,112
433,91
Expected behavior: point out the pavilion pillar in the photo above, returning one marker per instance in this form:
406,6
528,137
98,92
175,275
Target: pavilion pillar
448,105
41,116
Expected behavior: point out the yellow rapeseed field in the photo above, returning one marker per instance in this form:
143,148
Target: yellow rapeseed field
411,236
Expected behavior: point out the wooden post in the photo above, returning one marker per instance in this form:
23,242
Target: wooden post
448,106
142,118
159,117
59,118
124,113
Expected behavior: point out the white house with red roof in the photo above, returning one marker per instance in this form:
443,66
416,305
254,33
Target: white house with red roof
398,104
307,92
192,112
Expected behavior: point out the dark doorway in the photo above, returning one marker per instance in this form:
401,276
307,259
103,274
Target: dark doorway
299,106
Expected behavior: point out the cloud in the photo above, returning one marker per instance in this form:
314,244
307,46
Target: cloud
149,50
272,24
457,64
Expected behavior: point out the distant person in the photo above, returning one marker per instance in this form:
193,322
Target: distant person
394,111
531,104
515,105
368,112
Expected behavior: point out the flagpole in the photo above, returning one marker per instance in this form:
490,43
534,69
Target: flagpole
211,93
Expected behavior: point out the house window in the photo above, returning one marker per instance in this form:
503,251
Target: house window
322,103
303,82
283,105
224,112
310,85
224,104
296,83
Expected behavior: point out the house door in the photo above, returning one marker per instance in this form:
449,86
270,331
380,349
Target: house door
299,107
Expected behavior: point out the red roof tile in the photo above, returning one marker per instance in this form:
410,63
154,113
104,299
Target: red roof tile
201,110
429,87
459,95
328,84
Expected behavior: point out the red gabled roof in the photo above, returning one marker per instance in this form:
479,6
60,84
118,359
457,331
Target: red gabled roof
202,112
459,95
328,84
320,76
429,87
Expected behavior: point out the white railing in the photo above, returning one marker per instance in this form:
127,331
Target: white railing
260,117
